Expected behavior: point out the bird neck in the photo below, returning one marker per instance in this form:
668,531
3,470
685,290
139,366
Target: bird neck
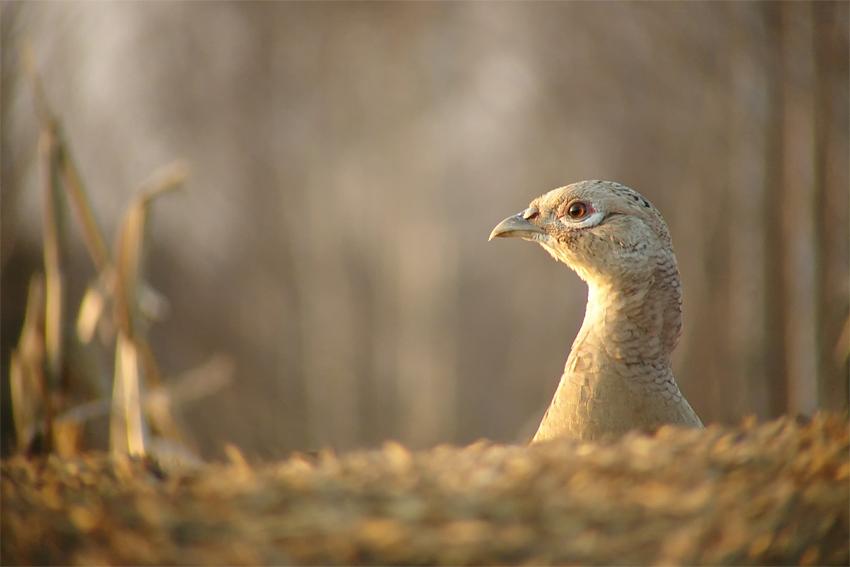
636,322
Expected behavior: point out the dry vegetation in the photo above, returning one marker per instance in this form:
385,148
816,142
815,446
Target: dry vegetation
59,372
771,494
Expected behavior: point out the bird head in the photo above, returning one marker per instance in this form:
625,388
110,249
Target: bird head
601,229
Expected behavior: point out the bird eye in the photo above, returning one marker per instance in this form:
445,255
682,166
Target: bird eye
577,210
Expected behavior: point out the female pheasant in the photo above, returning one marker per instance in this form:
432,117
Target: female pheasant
618,376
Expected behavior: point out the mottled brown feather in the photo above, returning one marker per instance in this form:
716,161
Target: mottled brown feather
618,375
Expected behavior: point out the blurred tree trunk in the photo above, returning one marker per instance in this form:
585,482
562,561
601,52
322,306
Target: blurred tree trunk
775,347
831,201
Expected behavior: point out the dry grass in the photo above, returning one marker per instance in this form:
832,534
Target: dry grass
56,384
772,494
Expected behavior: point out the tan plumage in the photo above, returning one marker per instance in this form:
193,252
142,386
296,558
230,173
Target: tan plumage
618,375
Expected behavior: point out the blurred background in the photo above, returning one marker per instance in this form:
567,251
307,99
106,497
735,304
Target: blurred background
350,159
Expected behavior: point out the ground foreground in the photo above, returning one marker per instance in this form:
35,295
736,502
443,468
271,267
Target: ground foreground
776,493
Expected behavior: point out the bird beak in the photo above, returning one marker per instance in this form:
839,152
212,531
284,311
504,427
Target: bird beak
516,226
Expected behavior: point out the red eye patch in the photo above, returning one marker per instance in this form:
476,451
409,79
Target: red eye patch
576,210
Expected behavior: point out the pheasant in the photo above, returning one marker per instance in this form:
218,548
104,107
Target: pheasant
618,375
